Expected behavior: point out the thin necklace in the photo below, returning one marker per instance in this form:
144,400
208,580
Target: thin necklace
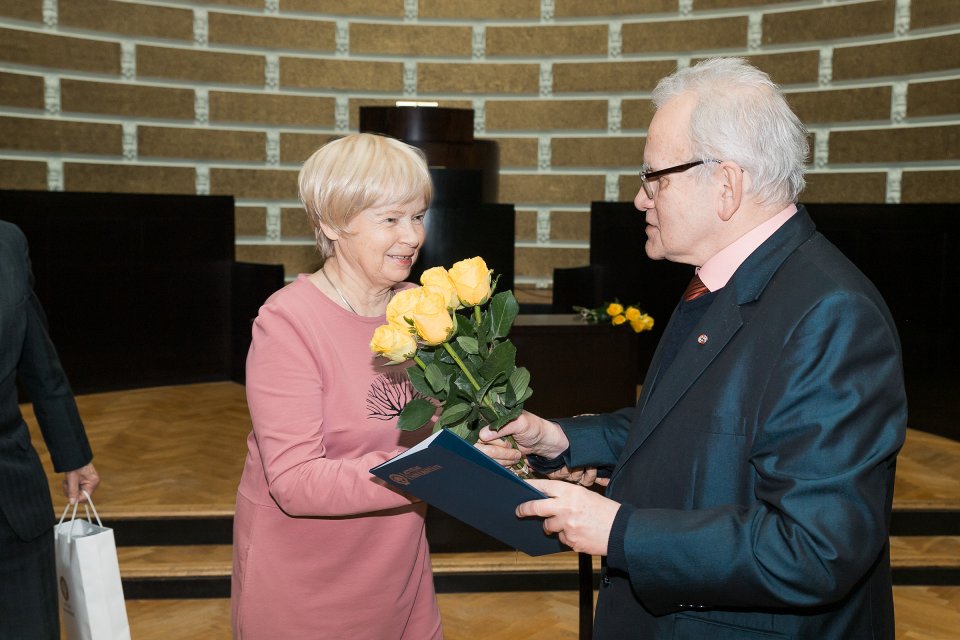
339,293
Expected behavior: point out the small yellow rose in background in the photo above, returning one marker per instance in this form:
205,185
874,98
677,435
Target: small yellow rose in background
431,318
632,313
618,320
439,279
400,308
471,277
394,343
643,323
614,309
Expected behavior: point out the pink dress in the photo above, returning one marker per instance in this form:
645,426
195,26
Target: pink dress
321,548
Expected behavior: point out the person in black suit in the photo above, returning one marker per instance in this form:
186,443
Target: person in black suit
751,487
28,594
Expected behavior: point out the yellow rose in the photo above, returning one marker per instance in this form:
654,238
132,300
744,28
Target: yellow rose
619,319
614,309
393,342
632,313
401,307
643,323
432,318
439,279
472,279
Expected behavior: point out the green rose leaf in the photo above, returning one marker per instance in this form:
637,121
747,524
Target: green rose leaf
503,311
415,414
468,344
436,377
419,381
465,326
513,414
500,362
519,381
454,413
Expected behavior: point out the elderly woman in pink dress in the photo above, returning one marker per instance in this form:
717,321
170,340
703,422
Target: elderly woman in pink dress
322,549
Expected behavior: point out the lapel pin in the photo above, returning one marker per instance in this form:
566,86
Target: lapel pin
702,338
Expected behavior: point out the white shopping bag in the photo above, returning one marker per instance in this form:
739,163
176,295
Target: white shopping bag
88,577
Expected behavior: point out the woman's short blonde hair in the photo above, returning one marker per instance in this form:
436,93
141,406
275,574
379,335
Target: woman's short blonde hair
358,172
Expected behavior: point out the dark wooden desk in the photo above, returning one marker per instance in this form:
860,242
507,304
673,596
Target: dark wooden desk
576,367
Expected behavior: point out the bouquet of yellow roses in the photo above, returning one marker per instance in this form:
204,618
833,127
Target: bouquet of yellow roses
616,314
463,360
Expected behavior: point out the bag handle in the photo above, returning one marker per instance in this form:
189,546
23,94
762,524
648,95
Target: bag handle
73,516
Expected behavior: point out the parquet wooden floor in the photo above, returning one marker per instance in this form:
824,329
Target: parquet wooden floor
923,613
180,450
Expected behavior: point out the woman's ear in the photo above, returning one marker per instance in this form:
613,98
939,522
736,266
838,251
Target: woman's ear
327,231
731,190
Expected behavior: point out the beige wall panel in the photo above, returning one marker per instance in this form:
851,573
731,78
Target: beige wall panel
247,4
410,39
537,262
23,91
529,294
896,145
525,225
295,223
685,35
16,174
202,144
356,103
545,115
629,184
554,189
933,98
614,152
934,13
271,109
140,101
199,66
488,9
296,259
577,40
704,5
570,225
60,136
930,186
59,52
126,18
434,77
381,8
842,105
270,32
258,184
896,58
845,187
250,221
308,73
605,8
801,67
609,76
295,148
517,153
829,23
78,176
636,114
28,10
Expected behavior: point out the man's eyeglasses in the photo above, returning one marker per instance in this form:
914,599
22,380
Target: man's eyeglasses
647,178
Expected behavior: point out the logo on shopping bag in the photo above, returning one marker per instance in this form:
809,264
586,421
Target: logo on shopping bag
64,589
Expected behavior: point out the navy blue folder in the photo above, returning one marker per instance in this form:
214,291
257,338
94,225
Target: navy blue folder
448,473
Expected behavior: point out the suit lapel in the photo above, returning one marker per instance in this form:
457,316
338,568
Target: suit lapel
664,389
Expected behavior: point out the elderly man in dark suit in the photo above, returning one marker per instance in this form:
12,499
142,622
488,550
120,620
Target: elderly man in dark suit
751,487
28,595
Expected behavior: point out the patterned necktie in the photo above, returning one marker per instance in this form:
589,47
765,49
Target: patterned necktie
695,289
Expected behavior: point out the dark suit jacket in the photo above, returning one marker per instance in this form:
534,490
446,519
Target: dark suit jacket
27,352
757,469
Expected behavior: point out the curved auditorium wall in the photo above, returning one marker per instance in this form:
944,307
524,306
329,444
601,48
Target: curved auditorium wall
230,96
